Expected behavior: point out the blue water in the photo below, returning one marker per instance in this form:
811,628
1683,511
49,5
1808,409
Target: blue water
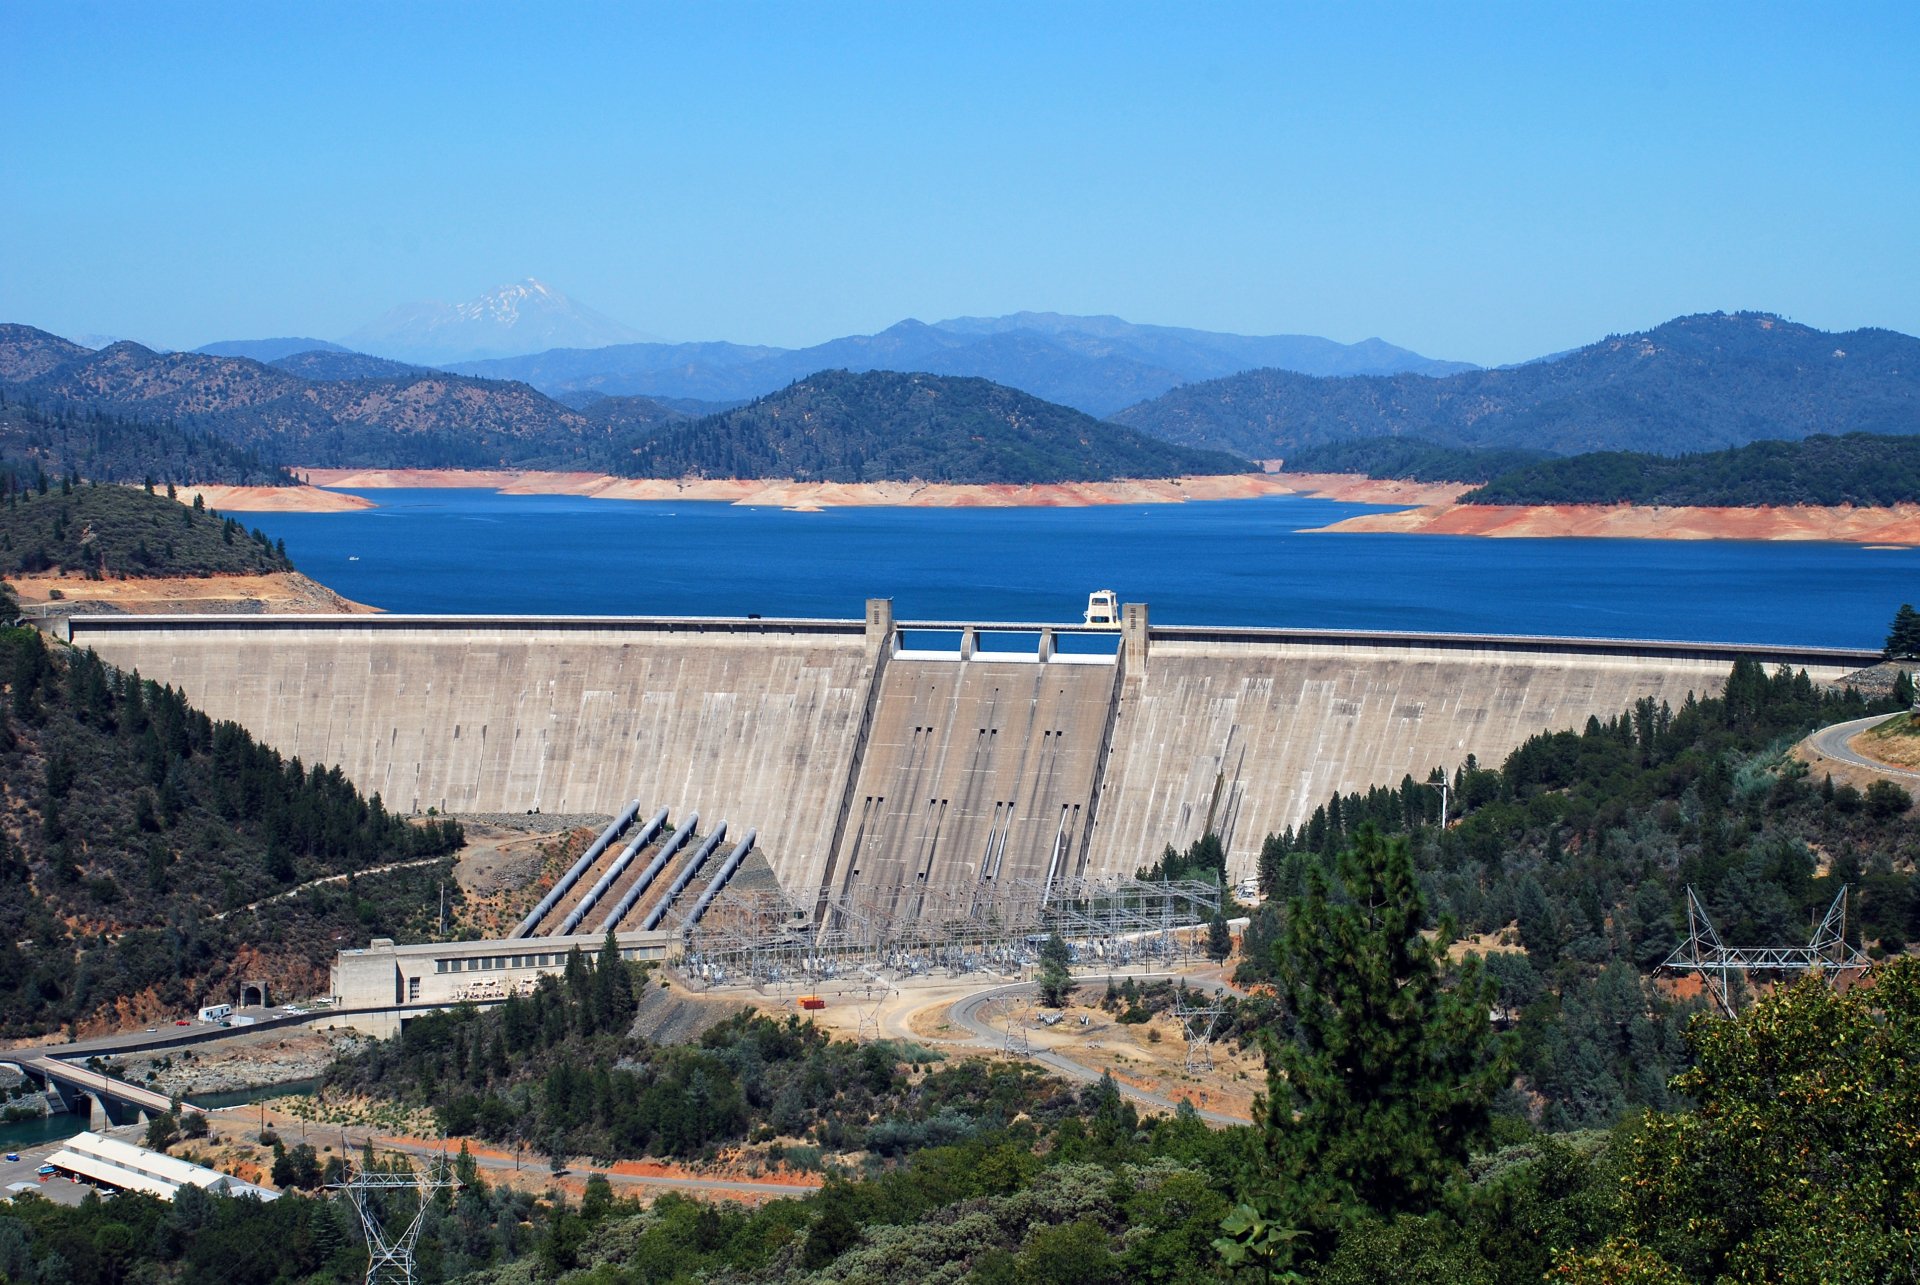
1245,562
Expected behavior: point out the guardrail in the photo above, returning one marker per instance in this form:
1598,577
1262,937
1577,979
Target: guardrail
1785,653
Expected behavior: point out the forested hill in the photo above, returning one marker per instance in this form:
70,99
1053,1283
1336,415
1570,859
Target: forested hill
133,818
884,426
1412,459
106,447
338,409
1697,383
118,531
387,416
1858,469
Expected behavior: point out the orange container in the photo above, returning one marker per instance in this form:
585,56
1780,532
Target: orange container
812,1001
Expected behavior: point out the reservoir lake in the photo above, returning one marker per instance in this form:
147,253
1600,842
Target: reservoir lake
1238,562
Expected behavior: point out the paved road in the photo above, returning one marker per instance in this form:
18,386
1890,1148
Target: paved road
165,1035
967,1013
319,1134
92,1080
1832,742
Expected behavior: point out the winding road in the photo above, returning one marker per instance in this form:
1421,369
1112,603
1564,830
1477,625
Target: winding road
966,1013
1833,743
327,879
494,1162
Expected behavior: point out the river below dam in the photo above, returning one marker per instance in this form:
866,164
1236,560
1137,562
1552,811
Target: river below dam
16,1134
1239,562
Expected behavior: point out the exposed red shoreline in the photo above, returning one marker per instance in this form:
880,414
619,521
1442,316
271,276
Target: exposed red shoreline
1430,509
1896,526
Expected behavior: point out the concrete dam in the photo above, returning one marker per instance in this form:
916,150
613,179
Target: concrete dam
892,755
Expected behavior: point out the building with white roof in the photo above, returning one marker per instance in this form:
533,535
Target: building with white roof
109,1162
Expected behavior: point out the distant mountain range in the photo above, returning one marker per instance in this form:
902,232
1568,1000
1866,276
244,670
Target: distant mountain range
528,316
835,425
1697,383
1094,364
531,332
259,349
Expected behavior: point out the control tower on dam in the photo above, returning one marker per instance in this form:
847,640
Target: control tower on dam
890,754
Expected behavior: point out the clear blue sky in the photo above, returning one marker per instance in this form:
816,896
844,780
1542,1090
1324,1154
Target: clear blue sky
1485,182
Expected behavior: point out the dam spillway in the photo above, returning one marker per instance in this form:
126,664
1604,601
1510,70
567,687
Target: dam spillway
985,765
850,751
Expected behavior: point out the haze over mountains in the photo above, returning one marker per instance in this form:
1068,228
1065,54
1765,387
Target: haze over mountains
527,316
531,332
1093,364
1697,383
875,426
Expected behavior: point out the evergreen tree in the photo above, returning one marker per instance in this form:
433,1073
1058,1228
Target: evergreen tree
1219,940
1273,860
1209,854
1903,639
613,1000
1056,984
1391,1073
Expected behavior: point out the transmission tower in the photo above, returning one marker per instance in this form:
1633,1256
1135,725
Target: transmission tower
390,1259
1704,953
872,1002
1198,1021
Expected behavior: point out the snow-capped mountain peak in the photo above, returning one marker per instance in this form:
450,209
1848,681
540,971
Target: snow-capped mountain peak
527,316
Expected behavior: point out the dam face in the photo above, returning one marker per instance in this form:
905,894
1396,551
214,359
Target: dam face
981,769
748,724
862,763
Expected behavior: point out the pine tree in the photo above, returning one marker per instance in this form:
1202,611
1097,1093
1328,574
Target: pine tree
1056,984
1392,1071
1273,860
1207,853
613,1000
1219,940
1903,639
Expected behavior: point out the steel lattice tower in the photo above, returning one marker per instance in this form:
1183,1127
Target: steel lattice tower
1198,1021
390,1261
1704,953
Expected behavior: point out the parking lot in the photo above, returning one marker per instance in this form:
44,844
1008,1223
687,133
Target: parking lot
57,1189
